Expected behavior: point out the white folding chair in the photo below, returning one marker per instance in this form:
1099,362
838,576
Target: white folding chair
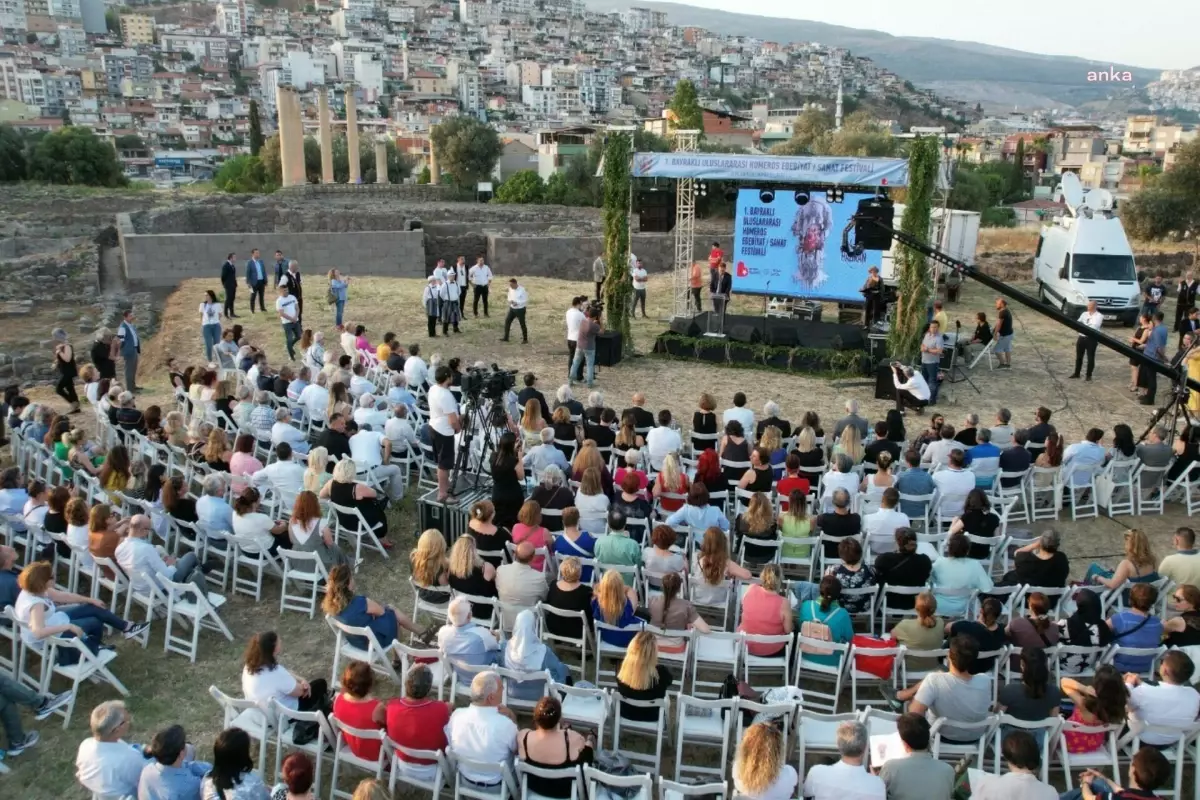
817,732
88,666
250,717
656,729
342,754
813,676
703,723
580,644
753,665
976,750
374,654
195,609
248,554
285,722
1105,758
429,777
1045,493
630,787
870,679
585,706
430,658
525,770
359,530
503,789
306,572
1049,736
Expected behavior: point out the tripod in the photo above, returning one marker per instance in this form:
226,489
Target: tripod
1177,405
956,374
478,421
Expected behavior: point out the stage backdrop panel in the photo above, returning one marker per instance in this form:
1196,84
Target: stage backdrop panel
789,250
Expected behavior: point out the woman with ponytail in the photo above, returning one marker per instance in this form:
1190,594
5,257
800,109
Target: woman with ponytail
923,632
824,620
671,612
489,538
1035,629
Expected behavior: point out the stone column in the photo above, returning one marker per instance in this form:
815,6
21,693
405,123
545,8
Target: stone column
283,109
434,174
352,135
326,135
299,173
381,167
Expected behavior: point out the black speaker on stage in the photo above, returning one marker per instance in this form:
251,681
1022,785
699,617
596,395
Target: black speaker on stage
885,389
609,348
686,326
782,333
656,211
869,236
748,332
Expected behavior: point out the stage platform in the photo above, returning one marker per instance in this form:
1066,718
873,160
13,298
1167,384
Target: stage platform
775,331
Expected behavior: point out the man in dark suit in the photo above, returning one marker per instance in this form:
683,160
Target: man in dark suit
530,393
1185,293
256,279
281,265
642,417
771,409
229,282
334,438
720,287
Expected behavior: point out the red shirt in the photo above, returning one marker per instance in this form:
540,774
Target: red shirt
715,256
418,725
359,715
666,503
786,486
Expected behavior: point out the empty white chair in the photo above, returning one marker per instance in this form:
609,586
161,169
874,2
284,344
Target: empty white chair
584,706
304,573
703,723
195,609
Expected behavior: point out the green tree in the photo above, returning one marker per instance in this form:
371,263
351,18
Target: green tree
66,116
256,134
423,175
272,161
618,290
186,55
1169,208
915,284
244,175
811,127
130,141
689,116
1016,185
522,187
12,154
644,141
112,20
466,148
76,156
561,190
382,108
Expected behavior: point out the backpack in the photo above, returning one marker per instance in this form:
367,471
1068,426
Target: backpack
819,630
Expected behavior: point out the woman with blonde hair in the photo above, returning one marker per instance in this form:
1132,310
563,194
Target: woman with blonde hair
343,603
469,574
317,474
613,604
926,631
175,429
345,490
489,537
216,452
430,567
760,769
850,443
1138,565
875,483
591,501
308,535
532,424
772,441
757,522
642,678
711,567
587,458
369,788
670,480
766,612
78,455
806,448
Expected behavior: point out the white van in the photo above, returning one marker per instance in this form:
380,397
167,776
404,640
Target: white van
1084,255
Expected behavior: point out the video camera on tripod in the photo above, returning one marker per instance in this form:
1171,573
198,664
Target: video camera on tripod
489,383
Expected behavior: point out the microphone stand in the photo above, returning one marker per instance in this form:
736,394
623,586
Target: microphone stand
956,373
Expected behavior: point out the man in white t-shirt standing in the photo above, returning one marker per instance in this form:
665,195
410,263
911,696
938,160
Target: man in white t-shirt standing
416,372
289,318
640,279
518,298
575,316
443,424
480,276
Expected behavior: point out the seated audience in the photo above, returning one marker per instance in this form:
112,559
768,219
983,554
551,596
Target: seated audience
172,775
1035,697
525,652
848,777
1040,563
1169,703
550,746
233,774
904,566
1182,566
1023,757
766,612
712,567
917,776
955,575
344,604
958,695
1101,703
1183,629
881,526
670,612
1138,565
1034,628
485,732
757,524
985,629
265,680
643,679
926,631
914,482
249,522
489,537
613,603
616,547
852,573
464,641
355,707
699,514
1136,627
824,619
760,768
105,763
471,575
840,524
569,593
296,778
977,519
417,721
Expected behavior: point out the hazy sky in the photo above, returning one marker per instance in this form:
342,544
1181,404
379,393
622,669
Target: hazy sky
1098,30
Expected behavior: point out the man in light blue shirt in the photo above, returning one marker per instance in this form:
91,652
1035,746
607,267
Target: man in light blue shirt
399,393
212,510
545,454
914,481
1156,348
171,776
984,459
697,514
1082,459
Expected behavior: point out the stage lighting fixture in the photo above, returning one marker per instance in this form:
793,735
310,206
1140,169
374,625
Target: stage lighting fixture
766,195
801,198
700,188
834,195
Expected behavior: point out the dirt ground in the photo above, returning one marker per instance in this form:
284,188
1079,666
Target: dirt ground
166,689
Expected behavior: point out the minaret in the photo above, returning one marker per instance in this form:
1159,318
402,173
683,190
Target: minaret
837,115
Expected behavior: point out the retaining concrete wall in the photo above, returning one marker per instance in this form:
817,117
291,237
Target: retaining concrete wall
571,257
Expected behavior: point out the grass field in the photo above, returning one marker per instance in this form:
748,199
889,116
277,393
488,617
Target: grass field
167,689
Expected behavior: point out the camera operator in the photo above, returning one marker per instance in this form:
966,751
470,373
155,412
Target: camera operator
444,422
589,329
912,390
575,316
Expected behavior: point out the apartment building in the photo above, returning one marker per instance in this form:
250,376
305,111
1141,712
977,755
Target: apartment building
137,29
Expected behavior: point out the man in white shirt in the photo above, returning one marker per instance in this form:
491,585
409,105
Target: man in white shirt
848,779
315,398
881,525
1024,759
953,484
443,424
1173,703
640,279
1083,459
518,298
1182,566
284,432
105,764
415,370
289,318
439,271
258,365
937,454
285,477
480,276
485,731
574,319
740,413
399,431
368,414
371,451
140,559
359,383
913,391
1087,344
1003,431
661,440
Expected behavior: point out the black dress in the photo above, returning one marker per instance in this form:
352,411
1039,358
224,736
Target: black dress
704,422
554,787
507,492
106,366
1188,637
492,543
980,523
764,480
735,452
902,569
342,494
577,599
475,584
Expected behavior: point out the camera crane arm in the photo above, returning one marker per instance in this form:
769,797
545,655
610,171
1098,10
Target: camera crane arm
1175,374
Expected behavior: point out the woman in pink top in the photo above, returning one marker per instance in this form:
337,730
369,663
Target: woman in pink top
360,338
529,529
766,612
243,463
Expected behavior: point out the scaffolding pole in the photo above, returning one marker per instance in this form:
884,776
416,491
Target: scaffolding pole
685,225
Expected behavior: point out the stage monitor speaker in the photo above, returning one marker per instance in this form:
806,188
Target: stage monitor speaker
609,347
885,389
687,326
747,332
656,211
867,235
782,333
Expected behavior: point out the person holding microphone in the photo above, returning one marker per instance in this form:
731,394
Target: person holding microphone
720,288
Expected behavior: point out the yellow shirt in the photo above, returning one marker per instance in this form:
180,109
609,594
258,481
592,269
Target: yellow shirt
383,352
942,320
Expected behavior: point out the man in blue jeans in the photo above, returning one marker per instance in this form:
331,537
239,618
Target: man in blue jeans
1148,772
931,359
14,694
589,329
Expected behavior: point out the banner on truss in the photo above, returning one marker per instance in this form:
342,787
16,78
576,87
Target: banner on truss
773,169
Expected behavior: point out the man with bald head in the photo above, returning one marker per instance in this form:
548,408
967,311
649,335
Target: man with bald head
136,555
642,418
519,585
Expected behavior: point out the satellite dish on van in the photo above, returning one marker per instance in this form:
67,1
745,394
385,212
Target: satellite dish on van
1071,191
1099,200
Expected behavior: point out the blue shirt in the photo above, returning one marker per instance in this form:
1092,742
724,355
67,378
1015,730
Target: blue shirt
699,519
841,629
338,287
8,587
385,627
1135,630
295,388
1156,345
214,513
162,782
627,620
397,395
914,481
583,547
